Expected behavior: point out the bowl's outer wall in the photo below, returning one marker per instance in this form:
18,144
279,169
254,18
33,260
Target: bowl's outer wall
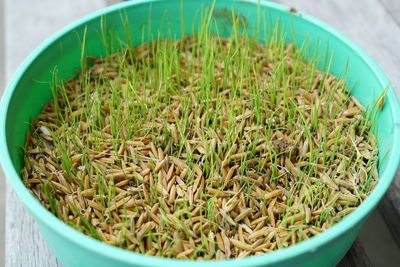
62,53
69,254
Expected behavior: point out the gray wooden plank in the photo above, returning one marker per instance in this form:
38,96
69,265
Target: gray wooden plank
356,256
367,22
2,182
24,244
27,23
378,242
393,9
392,218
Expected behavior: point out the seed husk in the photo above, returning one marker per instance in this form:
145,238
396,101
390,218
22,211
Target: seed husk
202,148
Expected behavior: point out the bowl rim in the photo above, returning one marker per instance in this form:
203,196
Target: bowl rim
123,256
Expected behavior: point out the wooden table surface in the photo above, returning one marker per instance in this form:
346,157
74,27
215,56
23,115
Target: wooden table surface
373,24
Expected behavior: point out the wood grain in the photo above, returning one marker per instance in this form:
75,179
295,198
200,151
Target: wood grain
2,180
393,8
356,256
25,246
391,217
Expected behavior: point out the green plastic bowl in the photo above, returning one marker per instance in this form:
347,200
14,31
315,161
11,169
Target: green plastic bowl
28,92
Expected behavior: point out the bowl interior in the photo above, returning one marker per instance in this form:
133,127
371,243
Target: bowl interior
30,88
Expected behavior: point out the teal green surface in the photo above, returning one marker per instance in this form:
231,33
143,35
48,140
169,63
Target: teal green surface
29,90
